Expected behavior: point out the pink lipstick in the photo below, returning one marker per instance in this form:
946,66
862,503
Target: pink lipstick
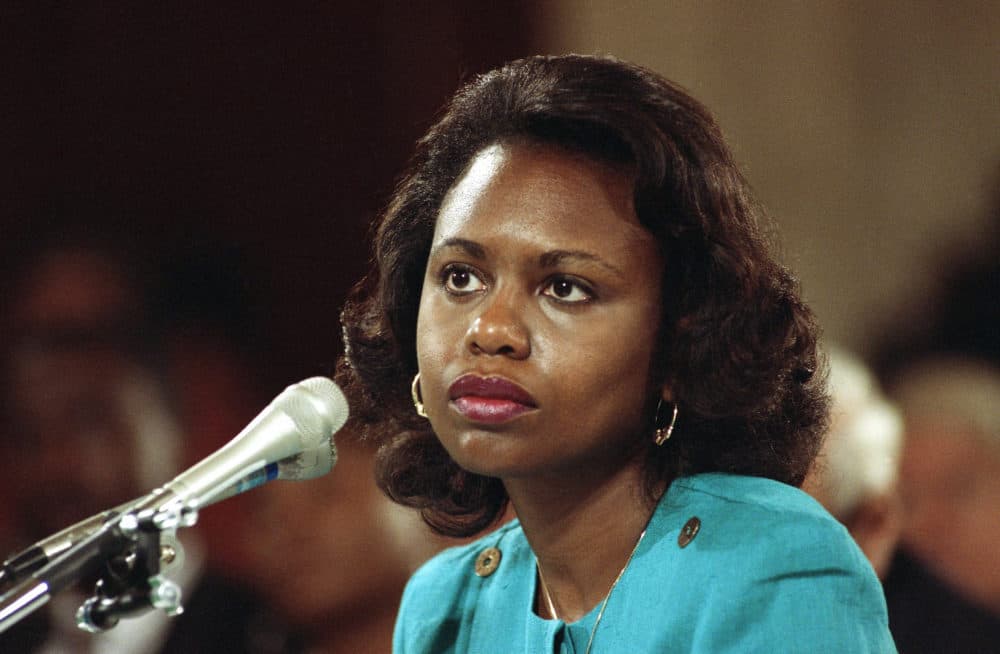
489,399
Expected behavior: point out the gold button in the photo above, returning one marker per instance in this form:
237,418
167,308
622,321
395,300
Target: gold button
689,531
487,562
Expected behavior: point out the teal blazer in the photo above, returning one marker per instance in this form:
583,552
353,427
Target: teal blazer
763,568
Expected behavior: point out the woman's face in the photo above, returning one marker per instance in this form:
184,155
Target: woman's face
538,315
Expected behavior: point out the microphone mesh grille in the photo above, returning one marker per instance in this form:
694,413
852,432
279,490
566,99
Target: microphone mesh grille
327,413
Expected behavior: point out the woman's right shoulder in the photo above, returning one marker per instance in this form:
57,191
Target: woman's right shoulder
441,596
451,566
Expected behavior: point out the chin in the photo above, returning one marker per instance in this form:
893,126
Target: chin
488,454
506,464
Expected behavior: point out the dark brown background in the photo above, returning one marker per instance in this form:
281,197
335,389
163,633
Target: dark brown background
868,130
263,135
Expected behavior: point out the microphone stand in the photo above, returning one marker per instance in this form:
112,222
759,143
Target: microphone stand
127,551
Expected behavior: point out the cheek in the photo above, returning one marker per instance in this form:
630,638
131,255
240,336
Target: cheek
439,335
606,367
429,327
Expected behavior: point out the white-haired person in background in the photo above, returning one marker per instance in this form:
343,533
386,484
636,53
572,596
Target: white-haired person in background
944,587
856,473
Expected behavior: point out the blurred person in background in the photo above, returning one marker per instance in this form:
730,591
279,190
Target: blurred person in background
89,424
856,473
943,590
943,371
335,554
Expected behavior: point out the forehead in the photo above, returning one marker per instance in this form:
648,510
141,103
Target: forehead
543,196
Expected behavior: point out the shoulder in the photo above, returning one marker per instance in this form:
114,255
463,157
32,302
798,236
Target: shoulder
442,596
456,566
773,525
747,491
761,549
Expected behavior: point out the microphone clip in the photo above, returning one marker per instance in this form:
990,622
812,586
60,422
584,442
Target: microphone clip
126,553
131,582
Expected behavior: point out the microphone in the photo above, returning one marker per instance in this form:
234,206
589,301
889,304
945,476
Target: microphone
292,439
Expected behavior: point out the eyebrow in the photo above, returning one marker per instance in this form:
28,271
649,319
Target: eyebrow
553,258
471,248
550,259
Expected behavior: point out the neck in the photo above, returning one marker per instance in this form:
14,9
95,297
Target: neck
582,532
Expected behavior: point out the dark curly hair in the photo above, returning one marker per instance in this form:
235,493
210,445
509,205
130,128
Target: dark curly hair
737,345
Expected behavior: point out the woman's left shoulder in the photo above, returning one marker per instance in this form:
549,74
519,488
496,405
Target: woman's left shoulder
752,499
760,492
758,516
751,549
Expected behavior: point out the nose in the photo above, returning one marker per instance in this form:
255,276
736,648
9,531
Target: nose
499,329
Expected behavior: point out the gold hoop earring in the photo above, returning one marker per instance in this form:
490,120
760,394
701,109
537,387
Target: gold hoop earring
418,402
663,433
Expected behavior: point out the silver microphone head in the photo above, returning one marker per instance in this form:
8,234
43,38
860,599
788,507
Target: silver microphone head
292,438
319,409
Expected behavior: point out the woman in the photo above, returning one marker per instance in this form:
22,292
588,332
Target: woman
574,310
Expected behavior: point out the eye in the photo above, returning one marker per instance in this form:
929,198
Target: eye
461,280
567,290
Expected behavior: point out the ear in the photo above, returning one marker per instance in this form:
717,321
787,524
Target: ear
667,393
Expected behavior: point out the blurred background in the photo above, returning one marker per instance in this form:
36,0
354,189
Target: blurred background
275,132
233,155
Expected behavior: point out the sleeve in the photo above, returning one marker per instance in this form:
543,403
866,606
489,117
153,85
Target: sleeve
808,590
432,611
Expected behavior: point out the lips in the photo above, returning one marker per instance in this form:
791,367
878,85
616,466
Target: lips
489,399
